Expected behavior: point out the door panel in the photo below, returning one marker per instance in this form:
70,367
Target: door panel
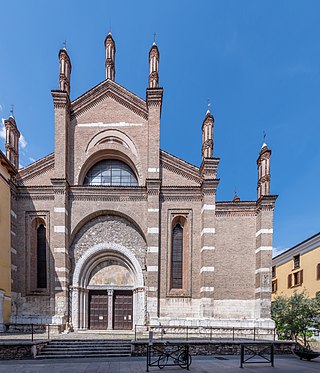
98,310
122,310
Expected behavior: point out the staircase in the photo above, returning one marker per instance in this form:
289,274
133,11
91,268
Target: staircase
73,348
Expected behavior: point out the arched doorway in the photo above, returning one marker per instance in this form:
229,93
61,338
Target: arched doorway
108,289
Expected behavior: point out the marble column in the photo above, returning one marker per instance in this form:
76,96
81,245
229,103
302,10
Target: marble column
75,307
110,309
86,309
1,310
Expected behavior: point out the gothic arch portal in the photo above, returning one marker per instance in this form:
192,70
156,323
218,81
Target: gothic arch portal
91,259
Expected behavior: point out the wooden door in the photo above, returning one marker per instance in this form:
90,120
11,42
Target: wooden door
98,310
122,310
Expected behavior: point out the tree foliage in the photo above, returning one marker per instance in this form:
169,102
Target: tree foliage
296,315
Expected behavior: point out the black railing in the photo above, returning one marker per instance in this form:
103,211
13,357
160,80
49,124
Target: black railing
186,333
32,331
257,354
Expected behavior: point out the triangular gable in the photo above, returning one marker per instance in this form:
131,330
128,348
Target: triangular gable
179,167
36,169
109,88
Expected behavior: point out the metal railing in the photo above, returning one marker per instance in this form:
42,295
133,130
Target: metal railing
187,333
31,331
257,354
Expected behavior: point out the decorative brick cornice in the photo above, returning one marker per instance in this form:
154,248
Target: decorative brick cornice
238,208
179,166
60,99
106,193
35,192
105,89
153,186
209,186
154,97
209,168
266,203
60,186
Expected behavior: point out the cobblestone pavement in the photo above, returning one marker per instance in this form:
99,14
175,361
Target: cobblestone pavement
283,364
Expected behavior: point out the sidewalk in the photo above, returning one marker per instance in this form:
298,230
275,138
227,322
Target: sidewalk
229,364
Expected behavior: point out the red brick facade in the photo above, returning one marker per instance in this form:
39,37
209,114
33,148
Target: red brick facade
227,246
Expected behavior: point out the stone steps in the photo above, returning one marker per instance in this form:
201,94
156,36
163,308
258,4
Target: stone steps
61,349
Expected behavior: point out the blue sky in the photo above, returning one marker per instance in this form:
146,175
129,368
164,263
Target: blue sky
258,62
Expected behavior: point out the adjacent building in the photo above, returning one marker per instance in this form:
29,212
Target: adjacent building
113,231
298,269
7,171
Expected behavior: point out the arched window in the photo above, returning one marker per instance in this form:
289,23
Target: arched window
111,172
41,257
177,257
37,252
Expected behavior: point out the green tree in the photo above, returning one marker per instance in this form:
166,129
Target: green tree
294,316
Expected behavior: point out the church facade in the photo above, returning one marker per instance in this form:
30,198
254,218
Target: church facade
113,232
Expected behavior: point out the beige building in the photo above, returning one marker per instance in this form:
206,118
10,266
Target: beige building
7,171
114,232
298,269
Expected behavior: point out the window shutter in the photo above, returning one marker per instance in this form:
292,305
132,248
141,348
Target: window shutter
290,280
301,277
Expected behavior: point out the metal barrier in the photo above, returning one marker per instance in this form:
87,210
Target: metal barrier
168,355
264,352
33,330
204,333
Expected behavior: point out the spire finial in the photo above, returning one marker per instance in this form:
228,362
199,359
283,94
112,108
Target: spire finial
110,32
264,136
236,198
154,38
208,105
11,110
65,44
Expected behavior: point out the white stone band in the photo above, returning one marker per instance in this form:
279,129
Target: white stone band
207,248
62,269
60,250
13,214
263,248
206,288
14,251
263,290
208,207
152,268
207,269
153,230
153,249
152,288
208,230
262,270
153,169
61,210
264,231
153,210
60,229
